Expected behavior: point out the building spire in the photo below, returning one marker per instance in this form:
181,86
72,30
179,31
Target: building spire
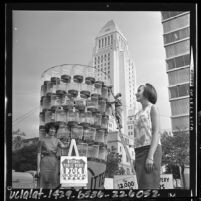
110,27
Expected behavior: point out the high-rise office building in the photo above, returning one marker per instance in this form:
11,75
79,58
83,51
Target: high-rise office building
111,56
176,28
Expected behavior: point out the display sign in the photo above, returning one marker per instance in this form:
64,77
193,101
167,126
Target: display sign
108,184
73,171
166,181
125,182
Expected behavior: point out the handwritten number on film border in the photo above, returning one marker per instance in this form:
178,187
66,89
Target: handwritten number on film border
68,194
89,194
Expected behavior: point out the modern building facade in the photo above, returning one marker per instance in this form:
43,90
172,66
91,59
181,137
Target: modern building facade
176,28
111,56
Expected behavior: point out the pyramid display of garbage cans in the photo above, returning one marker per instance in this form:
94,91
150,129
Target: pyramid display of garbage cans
75,99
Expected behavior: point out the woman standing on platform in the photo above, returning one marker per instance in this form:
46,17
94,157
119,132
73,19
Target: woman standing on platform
47,162
148,149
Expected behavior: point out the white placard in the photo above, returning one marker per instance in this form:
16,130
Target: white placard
108,184
166,181
125,182
73,171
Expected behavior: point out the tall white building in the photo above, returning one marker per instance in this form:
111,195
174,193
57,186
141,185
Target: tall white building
111,55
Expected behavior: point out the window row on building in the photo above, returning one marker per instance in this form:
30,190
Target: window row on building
101,66
177,23
131,118
126,141
178,62
130,71
179,90
180,123
106,73
101,58
179,76
113,148
180,106
131,104
131,67
132,91
176,35
169,14
130,127
179,48
105,41
131,77
102,78
131,83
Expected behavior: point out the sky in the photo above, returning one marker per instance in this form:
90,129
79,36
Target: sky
42,39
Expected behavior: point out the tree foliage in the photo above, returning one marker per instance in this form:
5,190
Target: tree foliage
175,152
175,148
112,166
25,158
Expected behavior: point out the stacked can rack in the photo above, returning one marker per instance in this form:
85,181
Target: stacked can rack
75,99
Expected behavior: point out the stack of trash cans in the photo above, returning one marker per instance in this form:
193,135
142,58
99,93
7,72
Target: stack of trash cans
77,103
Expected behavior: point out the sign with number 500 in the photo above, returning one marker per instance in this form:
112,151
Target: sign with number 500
125,182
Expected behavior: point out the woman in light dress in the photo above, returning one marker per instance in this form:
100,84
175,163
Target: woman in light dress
148,149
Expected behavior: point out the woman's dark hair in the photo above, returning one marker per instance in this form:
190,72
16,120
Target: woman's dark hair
47,128
150,93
